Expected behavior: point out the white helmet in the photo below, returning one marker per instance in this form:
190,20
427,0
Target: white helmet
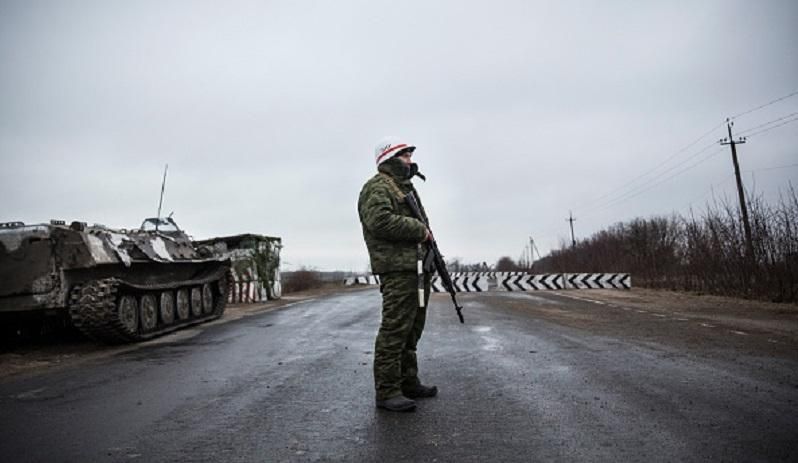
388,147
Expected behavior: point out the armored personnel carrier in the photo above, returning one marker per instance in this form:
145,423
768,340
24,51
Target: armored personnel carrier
116,286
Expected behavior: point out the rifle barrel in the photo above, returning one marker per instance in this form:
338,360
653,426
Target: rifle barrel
440,264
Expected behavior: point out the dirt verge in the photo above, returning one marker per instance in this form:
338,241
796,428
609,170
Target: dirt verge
780,319
696,324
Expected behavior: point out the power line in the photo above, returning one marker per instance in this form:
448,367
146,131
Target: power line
767,123
730,177
764,105
646,186
771,168
771,128
635,179
710,190
654,185
634,194
611,198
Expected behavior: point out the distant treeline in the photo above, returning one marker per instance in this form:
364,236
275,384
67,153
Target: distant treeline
308,278
704,252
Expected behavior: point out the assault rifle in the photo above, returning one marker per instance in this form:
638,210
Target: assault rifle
433,260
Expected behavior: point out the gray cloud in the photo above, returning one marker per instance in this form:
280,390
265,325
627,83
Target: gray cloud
267,112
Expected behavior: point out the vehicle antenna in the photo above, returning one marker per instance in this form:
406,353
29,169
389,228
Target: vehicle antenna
160,201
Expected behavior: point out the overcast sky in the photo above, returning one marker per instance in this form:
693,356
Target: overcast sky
267,113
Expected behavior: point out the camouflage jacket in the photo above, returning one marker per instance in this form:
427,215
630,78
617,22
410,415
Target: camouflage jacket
391,232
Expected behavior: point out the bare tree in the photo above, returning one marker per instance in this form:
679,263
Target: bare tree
506,264
705,253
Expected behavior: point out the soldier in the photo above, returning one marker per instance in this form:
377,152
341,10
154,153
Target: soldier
394,239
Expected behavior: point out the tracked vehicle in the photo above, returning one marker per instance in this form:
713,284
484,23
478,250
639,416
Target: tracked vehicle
113,285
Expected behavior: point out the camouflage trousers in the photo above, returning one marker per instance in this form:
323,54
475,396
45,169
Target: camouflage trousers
395,363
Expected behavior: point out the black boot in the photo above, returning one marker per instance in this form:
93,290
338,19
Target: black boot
420,392
397,403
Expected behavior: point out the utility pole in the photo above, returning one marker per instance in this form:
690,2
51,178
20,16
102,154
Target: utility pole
749,247
531,252
571,220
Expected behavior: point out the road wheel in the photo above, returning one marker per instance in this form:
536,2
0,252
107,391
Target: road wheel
167,307
128,313
196,302
182,304
148,312
207,298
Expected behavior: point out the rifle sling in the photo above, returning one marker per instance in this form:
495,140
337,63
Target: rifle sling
393,186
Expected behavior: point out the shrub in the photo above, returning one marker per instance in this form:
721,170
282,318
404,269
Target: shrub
301,280
705,253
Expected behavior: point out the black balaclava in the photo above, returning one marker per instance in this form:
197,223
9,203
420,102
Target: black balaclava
402,170
411,170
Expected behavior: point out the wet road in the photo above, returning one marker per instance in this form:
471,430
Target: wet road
295,384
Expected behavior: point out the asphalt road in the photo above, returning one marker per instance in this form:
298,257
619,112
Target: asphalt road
295,384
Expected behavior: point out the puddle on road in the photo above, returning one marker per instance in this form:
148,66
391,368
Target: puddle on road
491,344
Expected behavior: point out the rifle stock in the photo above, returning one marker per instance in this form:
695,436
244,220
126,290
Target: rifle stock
437,258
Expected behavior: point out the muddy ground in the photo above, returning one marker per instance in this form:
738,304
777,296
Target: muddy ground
779,321
709,325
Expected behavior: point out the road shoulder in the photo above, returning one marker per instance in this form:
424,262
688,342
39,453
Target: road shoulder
31,358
